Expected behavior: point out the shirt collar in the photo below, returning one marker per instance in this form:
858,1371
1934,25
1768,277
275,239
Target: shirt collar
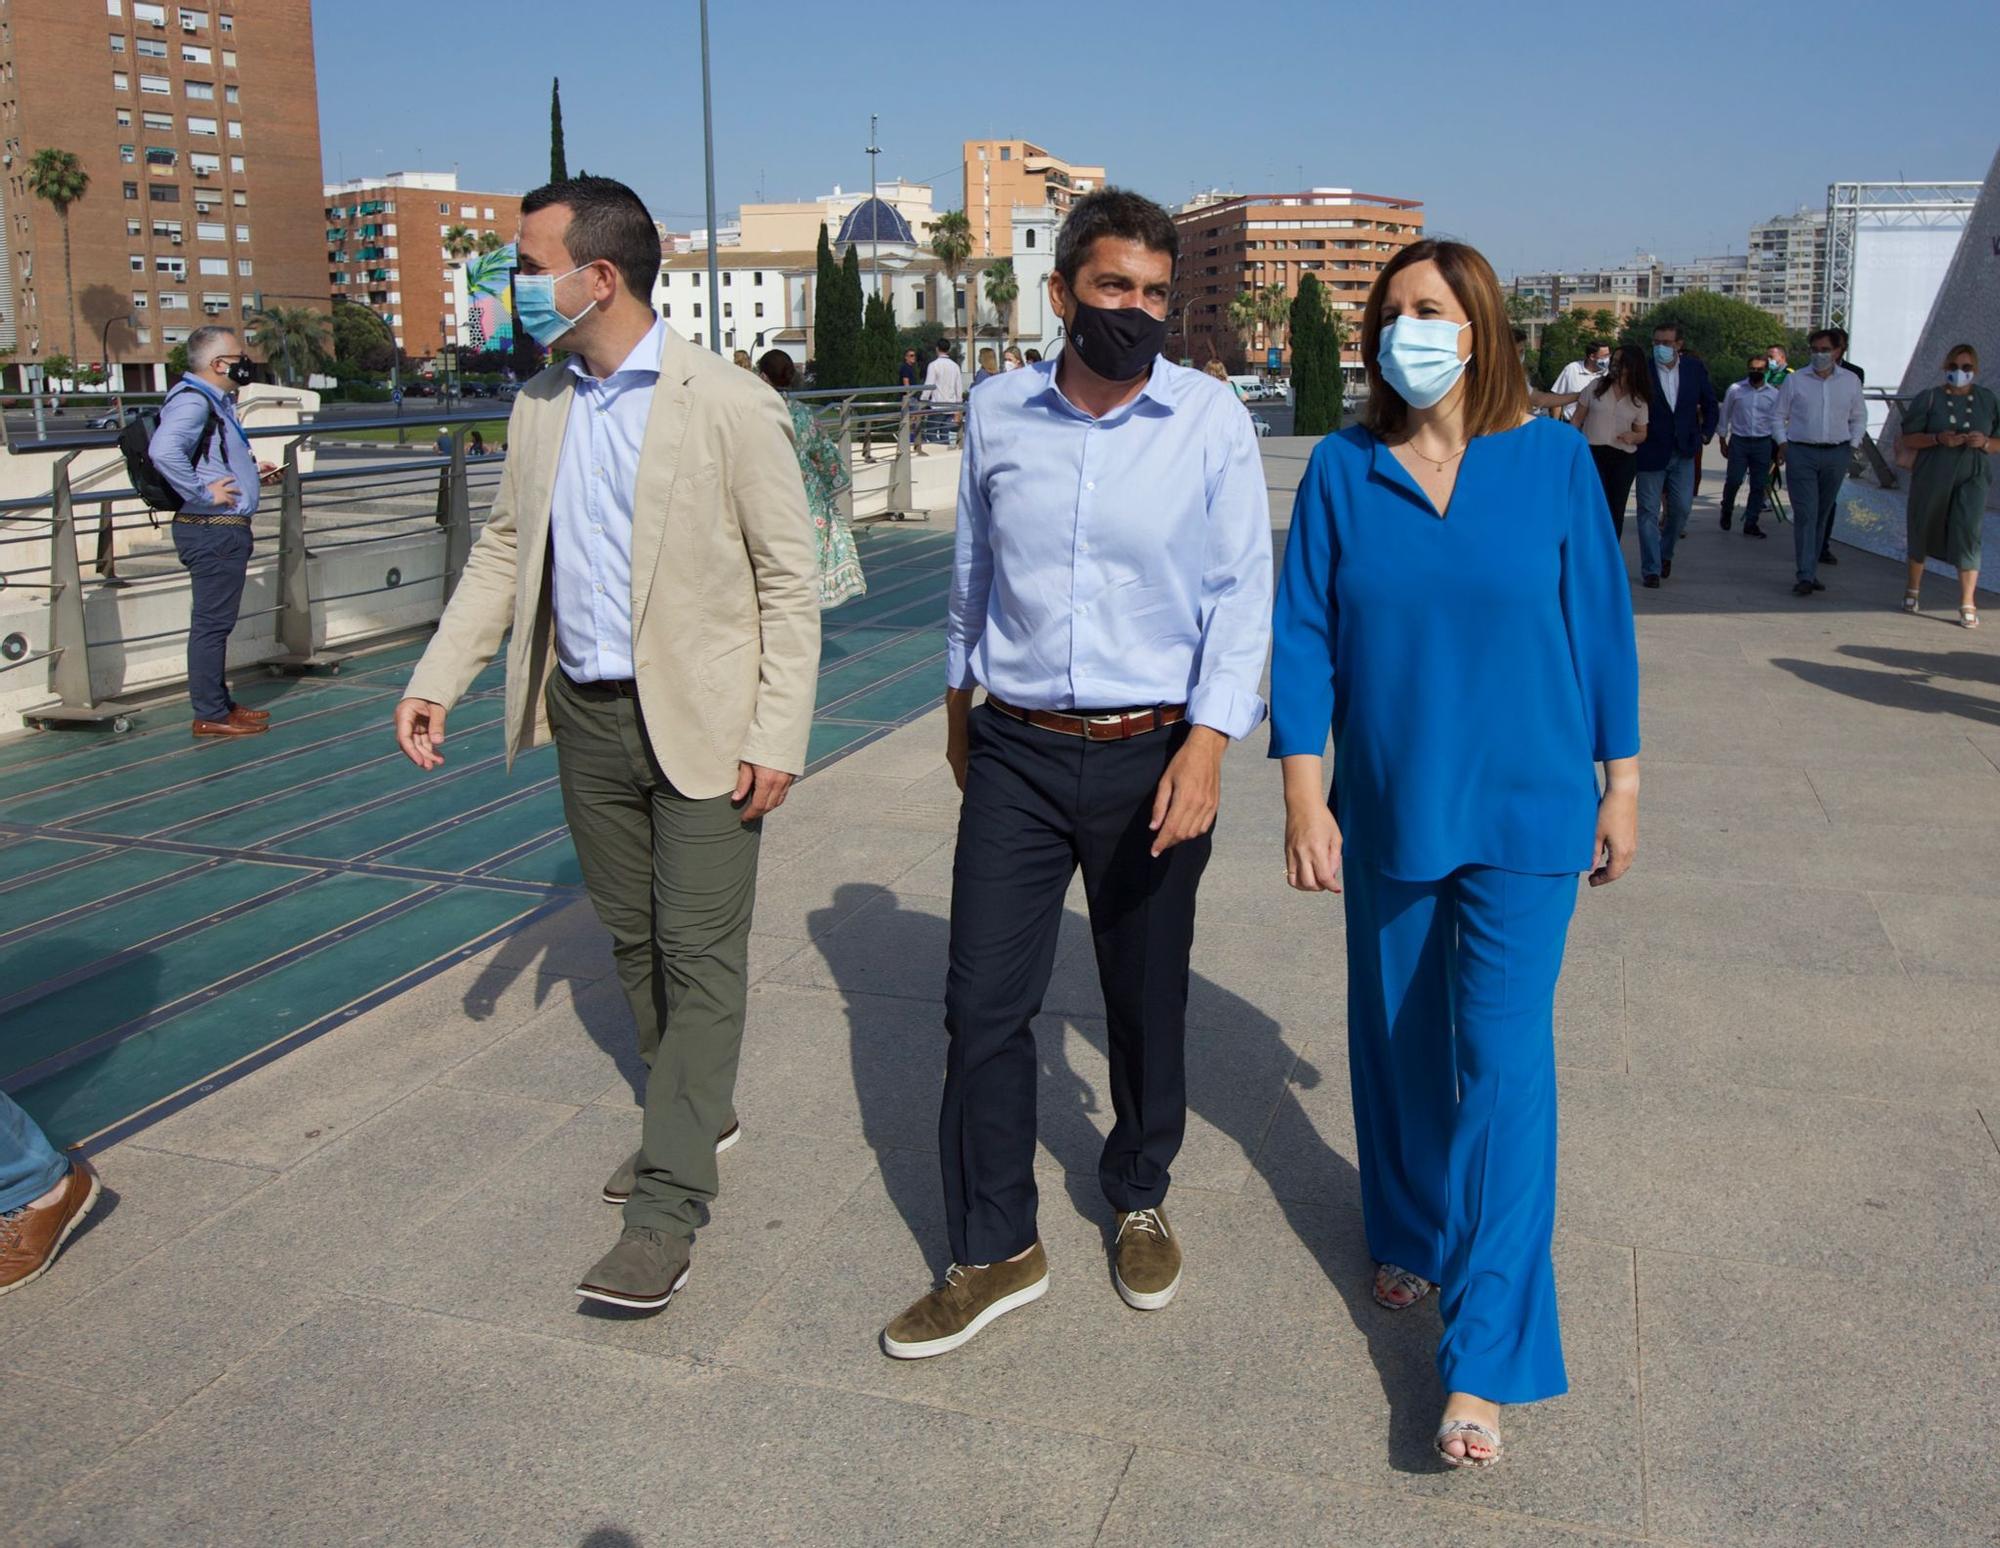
217,394
644,359
1158,391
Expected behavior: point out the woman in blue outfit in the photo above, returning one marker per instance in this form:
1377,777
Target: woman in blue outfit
1454,606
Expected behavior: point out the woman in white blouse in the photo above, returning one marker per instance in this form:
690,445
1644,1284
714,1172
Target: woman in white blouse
1611,413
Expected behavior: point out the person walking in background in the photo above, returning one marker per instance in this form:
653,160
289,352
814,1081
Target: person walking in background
1010,359
944,391
1579,374
742,358
1821,419
1954,429
910,377
825,474
44,1197
989,365
1776,366
1220,372
200,449
648,547
1839,337
1749,411
1033,357
1454,609
1611,412
1680,419
1111,592
1537,398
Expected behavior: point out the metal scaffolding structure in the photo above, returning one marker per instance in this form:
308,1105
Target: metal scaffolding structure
1886,206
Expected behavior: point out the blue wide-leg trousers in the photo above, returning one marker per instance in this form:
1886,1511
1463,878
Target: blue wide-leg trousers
1451,1037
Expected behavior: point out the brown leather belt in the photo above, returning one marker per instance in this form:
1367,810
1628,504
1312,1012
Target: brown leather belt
1117,726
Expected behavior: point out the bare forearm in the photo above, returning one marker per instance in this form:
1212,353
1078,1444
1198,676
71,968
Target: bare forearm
1622,775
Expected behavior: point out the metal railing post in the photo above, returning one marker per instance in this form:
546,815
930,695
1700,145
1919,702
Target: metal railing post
902,493
458,517
294,589
69,667
845,436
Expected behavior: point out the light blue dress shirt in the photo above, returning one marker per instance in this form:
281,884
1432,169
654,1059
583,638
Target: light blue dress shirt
172,448
1113,563
590,512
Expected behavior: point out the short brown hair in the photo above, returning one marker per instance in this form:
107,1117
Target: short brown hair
1496,389
1961,349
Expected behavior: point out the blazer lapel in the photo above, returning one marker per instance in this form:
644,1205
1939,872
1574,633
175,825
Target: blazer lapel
659,469
544,438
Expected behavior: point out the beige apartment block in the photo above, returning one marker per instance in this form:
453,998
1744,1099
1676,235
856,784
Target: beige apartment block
1000,174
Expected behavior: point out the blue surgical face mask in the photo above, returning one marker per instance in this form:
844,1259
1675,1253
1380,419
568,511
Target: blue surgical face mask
1664,353
535,302
1418,358
1822,360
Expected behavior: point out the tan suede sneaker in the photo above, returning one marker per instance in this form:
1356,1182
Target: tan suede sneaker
971,1296
1146,1260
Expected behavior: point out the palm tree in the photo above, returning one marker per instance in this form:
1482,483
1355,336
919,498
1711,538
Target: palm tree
294,333
491,241
1274,307
460,243
951,240
58,177
1246,315
1003,289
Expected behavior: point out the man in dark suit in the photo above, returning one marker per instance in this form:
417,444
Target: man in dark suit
1682,420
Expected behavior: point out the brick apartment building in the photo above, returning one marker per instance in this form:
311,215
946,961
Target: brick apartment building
385,248
1000,174
1231,243
198,125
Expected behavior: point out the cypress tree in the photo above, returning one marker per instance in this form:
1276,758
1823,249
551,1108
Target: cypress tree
558,161
853,351
826,307
1316,383
879,345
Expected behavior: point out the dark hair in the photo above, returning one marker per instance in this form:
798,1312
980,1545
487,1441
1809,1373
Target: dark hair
944,346
911,350
1758,354
776,367
1961,349
1520,335
1839,336
607,223
1629,375
1670,326
1496,388
1113,212
1831,335
1034,357
1592,346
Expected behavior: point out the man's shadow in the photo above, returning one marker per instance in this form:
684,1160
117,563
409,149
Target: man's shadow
897,1081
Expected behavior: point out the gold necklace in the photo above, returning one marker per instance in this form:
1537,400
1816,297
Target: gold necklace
1433,461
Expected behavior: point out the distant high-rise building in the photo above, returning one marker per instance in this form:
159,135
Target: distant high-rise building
1788,267
198,125
1231,243
1000,174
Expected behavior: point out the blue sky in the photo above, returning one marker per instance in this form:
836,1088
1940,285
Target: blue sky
1545,133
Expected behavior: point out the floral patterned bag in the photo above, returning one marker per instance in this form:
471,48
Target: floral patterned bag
821,465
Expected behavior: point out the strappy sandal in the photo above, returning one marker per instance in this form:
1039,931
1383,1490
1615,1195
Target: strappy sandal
1969,617
1389,1278
1471,1432
1913,602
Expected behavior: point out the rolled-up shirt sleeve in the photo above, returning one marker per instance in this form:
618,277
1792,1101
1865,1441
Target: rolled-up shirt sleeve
1235,589
1303,624
182,417
972,564
1597,612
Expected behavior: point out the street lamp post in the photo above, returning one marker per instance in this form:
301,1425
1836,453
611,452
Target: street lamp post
708,155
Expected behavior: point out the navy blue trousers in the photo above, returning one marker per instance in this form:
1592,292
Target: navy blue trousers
217,559
1451,1045
1038,805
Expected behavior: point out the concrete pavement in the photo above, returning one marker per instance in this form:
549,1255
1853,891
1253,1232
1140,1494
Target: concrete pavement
331,1303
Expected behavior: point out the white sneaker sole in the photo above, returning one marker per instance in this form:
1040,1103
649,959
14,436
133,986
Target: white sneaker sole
1146,1300
635,1303
938,1346
727,1142
55,1249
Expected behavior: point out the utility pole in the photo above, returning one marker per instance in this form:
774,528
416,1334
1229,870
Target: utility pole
708,154
874,216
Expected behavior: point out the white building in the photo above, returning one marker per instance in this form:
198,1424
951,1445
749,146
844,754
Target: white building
1788,266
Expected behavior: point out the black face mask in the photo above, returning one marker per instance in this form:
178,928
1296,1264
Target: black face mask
242,373
1117,342
1754,378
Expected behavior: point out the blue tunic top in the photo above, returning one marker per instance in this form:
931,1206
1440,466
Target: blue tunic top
1474,668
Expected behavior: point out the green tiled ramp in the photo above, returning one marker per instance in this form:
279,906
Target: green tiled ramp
173,911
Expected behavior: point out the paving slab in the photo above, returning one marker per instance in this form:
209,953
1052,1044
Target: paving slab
55,1434
1944,937
577,1048
1741,1359
467,1434
1653,918
812,894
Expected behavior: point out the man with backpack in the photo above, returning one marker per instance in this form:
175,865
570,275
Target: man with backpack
202,454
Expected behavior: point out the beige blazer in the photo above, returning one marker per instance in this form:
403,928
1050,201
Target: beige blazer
725,593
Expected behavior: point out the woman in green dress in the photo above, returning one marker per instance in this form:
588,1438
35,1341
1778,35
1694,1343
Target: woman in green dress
825,473
1952,428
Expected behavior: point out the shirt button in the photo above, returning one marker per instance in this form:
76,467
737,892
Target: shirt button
598,589
1091,485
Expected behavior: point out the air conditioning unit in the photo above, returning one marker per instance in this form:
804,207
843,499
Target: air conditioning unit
203,209
187,24
176,239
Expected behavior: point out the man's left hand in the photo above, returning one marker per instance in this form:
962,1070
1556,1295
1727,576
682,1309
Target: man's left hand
1185,804
760,791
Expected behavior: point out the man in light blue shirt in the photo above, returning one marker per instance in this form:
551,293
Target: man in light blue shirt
1112,594
200,449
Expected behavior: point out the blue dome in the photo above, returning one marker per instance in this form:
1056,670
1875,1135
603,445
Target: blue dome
874,220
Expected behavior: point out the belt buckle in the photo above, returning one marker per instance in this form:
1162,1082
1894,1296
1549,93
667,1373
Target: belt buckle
1105,720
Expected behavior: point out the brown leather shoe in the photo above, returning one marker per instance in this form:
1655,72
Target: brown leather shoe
971,1296
244,712
31,1237
230,727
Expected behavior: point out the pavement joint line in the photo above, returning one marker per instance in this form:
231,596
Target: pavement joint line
165,1012
1987,1123
521,851
500,803
1639,1399
1875,908
98,905
913,670
298,1037
1117,1489
54,869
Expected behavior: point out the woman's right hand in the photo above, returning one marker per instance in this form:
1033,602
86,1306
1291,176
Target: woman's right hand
1312,847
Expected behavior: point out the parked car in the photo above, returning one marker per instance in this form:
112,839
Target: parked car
117,419
1260,424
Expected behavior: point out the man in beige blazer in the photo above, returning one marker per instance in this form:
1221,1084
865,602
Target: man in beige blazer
651,550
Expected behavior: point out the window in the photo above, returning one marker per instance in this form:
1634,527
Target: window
697,309
127,154
193,19
242,233
211,231
216,300
760,309
1031,238
162,121
140,300
729,309
727,276
173,301
205,165
162,156
190,54
131,190
168,230
756,276
666,309
117,42
164,193
150,48
444,209
200,91
155,85
239,196
114,7
229,59
243,266
132,228
120,81
226,22
170,266
469,211
215,265
138,262
231,94
236,165
143,12
202,126
487,216
1006,153
235,130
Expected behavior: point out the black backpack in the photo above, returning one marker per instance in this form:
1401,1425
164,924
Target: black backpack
135,441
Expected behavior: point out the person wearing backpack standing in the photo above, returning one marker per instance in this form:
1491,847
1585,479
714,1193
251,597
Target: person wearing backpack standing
201,451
